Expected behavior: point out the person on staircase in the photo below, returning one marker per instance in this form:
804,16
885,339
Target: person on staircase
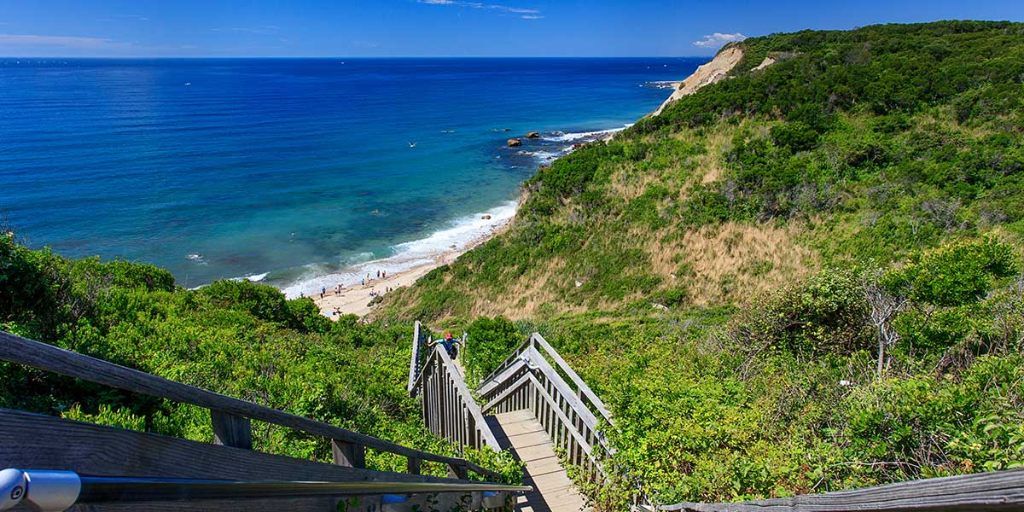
450,344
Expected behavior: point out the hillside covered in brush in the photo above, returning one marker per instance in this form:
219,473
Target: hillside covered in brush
854,146
804,277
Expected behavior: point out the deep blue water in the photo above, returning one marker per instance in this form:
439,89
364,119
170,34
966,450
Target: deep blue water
298,167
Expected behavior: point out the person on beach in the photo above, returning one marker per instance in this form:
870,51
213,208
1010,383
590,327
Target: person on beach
384,274
323,291
362,282
339,289
378,274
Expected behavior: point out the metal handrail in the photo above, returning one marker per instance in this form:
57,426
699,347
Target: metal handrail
59,490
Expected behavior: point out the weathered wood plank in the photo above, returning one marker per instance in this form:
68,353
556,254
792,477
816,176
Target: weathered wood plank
996,491
415,357
580,384
449,407
231,430
36,441
504,395
54,359
564,392
348,454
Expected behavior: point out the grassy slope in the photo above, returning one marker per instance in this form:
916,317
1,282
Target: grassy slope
695,268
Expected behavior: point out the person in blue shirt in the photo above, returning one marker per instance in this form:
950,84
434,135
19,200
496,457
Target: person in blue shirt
450,344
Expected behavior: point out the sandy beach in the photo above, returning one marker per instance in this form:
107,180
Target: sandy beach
355,299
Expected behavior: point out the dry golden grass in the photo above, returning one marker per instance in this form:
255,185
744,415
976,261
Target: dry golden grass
731,262
629,184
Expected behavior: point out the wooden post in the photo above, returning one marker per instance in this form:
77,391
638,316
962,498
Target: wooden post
413,466
231,430
457,471
348,454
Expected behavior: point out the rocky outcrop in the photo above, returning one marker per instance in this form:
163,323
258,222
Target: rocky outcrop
533,135
768,61
712,72
513,143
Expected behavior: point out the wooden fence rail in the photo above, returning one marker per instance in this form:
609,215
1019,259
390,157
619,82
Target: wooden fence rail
449,408
230,416
536,378
995,491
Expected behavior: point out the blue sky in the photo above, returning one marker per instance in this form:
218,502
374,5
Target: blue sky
381,28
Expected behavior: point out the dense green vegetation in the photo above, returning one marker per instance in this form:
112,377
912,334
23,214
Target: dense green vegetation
799,279
237,338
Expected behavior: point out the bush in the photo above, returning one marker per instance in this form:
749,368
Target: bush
491,340
955,274
826,315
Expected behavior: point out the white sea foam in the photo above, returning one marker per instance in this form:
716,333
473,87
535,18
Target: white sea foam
575,136
456,237
257,277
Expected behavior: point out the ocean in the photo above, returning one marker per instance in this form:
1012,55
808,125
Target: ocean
294,172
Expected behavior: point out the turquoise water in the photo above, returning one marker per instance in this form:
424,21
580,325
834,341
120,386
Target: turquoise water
289,170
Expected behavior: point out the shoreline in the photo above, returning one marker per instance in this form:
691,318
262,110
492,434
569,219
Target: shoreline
355,299
360,283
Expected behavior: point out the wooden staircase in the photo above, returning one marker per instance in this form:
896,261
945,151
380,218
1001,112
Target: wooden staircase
539,409
530,410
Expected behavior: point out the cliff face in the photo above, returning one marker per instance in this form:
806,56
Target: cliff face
714,71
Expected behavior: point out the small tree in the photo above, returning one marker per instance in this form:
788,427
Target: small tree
884,306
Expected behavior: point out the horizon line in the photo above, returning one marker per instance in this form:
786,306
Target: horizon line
364,57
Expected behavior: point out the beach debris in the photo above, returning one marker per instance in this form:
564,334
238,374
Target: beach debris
512,143
533,135
578,284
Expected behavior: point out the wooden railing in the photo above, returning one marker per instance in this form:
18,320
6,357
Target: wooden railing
536,378
419,351
995,491
449,408
30,440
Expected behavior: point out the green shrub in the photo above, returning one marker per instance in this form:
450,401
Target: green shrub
956,274
826,315
491,340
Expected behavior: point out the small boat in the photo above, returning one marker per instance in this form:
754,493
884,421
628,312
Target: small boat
412,145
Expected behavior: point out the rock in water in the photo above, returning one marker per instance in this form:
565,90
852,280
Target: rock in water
514,143
533,135
486,216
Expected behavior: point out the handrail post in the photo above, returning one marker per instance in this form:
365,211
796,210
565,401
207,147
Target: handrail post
231,430
348,454
457,471
413,465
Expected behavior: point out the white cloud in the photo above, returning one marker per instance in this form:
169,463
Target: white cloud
527,14
262,30
59,41
718,39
